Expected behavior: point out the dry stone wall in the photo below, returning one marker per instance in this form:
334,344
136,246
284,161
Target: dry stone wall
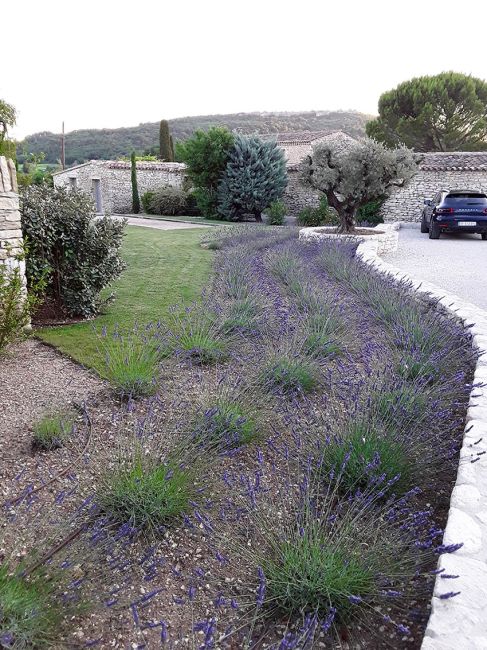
10,228
115,181
406,204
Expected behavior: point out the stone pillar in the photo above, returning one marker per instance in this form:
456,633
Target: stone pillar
10,229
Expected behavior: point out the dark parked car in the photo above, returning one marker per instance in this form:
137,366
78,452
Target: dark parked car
455,211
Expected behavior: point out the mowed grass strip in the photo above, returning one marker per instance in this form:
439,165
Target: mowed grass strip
164,268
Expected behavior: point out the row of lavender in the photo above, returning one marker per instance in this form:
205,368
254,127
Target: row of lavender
308,483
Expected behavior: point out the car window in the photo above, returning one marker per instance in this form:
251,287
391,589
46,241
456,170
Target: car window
458,196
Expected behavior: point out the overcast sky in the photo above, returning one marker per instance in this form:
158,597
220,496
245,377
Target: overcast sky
111,63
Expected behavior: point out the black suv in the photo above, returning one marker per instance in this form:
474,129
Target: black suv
455,211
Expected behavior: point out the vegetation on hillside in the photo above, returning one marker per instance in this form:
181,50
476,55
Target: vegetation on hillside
107,144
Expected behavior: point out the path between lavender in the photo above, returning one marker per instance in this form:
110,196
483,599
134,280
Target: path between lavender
182,587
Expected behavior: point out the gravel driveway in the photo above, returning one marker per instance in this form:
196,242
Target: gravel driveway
158,224
457,263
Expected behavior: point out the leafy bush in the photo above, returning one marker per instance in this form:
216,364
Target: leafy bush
276,213
145,494
131,361
146,199
206,155
73,251
370,212
167,200
323,215
51,431
15,304
29,615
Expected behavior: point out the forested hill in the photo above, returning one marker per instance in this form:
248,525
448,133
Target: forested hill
87,144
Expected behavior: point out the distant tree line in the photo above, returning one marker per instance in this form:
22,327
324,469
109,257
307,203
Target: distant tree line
109,144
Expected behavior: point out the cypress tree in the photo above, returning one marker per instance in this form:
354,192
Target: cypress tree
165,149
135,191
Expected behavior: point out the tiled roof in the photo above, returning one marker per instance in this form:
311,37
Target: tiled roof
297,137
455,161
145,164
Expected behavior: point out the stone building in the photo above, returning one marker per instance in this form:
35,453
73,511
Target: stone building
296,146
437,171
109,181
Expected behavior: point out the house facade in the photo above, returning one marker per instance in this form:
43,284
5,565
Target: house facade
437,171
109,181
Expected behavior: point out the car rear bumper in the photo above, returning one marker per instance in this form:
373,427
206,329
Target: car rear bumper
478,227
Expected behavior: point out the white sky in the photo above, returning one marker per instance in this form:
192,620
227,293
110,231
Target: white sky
108,63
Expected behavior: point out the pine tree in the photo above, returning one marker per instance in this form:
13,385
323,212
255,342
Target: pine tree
135,191
166,150
254,177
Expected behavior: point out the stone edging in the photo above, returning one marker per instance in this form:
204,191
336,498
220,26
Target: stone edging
385,238
459,622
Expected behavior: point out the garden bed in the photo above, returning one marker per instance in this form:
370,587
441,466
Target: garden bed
311,410
385,235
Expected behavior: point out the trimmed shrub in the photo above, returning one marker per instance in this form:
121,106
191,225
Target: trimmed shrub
320,216
168,201
146,199
72,250
51,431
276,213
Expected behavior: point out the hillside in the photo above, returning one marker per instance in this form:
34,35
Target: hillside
87,144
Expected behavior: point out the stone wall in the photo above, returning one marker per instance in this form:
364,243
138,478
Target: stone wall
296,197
407,204
115,180
10,229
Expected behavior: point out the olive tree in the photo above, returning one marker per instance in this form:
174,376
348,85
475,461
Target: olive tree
352,177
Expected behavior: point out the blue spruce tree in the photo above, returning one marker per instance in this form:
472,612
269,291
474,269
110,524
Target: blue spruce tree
254,177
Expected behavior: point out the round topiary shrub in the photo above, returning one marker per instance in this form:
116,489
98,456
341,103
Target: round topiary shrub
167,201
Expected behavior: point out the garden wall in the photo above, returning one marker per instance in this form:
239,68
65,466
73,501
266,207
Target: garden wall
296,196
10,228
407,204
114,177
459,622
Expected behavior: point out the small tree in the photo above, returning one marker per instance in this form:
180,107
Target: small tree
255,176
166,149
353,177
206,154
135,189
8,117
73,251
446,112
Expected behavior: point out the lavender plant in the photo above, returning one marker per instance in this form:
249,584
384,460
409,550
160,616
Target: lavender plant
131,360
51,431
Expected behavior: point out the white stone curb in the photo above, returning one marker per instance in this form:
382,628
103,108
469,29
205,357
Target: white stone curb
459,623
385,236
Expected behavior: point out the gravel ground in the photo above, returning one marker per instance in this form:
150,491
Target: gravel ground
458,263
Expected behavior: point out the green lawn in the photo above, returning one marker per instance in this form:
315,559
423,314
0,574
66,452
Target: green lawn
198,220
164,268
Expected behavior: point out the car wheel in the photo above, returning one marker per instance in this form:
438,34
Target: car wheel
434,230
424,226
484,236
